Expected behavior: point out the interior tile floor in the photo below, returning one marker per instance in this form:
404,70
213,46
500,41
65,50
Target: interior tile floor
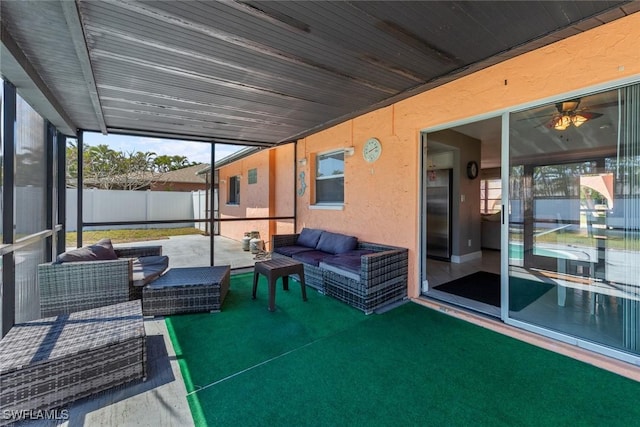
574,319
439,272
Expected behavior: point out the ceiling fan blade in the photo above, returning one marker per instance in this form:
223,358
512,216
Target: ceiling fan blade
590,115
540,116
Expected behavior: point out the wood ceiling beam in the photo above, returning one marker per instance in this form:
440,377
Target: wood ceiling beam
74,24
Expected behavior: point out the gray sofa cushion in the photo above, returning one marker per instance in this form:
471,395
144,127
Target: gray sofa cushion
311,257
101,251
309,237
148,268
341,271
349,261
335,243
347,264
357,253
291,250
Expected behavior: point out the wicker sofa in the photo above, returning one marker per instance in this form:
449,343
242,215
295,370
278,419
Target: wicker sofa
365,275
97,275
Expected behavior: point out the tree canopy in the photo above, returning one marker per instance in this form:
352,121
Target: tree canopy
106,168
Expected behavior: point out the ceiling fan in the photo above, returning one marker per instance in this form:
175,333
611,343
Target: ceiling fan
570,115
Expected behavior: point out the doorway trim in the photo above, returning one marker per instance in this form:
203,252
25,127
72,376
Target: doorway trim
422,177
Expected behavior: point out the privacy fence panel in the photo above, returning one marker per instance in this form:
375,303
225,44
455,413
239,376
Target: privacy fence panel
201,209
131,206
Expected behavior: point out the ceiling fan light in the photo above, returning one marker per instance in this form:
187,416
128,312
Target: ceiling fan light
562,122
571,105
578,120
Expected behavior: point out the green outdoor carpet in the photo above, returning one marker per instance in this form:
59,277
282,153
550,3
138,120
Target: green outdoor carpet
322,362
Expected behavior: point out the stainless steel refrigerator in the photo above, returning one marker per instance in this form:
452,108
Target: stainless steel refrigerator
439,213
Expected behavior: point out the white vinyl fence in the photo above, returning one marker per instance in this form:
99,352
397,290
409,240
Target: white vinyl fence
201,208
123,205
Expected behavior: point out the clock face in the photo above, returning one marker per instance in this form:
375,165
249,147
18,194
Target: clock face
372,150
472,170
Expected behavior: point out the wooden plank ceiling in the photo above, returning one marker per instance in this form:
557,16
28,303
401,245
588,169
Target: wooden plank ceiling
260,73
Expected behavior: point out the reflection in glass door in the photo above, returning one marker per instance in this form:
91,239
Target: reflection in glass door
574,244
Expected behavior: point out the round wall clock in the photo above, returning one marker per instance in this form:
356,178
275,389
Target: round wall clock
472,169
372,150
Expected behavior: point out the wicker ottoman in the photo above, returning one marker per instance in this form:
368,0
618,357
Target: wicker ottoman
50,362
186,290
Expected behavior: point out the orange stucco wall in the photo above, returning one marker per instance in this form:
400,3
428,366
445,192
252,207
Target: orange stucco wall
258,200
382,198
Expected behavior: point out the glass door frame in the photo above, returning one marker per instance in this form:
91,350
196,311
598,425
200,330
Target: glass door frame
504,234
505,201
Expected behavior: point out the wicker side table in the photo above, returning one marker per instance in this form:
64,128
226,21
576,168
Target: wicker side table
50,362
272,270
186,290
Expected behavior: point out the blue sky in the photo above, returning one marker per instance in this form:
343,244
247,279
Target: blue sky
193,151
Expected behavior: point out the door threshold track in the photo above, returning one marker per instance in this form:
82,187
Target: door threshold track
462,302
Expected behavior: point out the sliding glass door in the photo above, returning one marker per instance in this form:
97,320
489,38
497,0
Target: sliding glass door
574,218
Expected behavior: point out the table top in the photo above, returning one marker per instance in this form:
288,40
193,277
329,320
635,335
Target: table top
191,276
276,263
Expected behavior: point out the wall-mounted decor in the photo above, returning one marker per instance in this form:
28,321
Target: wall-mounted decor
472,169
372,150
303,185
253,176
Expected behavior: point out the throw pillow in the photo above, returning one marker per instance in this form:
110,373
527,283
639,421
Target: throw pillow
335,243
309,237
100,251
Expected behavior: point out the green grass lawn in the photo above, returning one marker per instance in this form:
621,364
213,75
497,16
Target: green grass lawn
131,235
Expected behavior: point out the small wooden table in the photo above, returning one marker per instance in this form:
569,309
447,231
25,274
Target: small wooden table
274,268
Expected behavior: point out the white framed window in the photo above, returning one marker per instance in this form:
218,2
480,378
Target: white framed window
234,190
490,195
330,178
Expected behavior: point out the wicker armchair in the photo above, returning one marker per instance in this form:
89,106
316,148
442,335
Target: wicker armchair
74,286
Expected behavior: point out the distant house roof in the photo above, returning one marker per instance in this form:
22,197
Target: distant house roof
240,154
189,174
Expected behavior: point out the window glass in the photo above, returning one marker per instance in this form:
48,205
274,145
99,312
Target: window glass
30,172
30,206
574,245
330,178
234,190
490,195
1,183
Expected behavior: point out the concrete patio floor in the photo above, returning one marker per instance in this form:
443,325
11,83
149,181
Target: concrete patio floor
193,251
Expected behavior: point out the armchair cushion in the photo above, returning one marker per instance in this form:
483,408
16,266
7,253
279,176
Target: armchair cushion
335,243
290,251
148,268
309,237
101,251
